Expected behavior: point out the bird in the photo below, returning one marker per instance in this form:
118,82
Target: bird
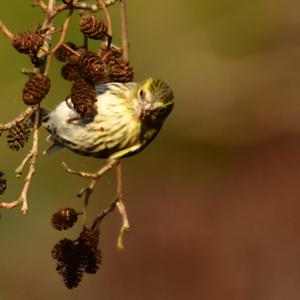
128,116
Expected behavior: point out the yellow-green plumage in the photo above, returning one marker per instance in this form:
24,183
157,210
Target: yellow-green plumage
128,116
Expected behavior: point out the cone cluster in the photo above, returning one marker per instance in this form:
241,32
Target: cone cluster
76,257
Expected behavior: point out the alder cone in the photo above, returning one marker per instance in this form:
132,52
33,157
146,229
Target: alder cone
18,136
92,27
83,97
36,88
92,67
121,71
28,42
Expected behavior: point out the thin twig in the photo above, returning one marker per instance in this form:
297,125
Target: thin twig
102,4
110,2
86,6
104,213
96,175
52,12
70,49
61,40
20,118
61,8
5,31
41,4
87,192
32,157
124,29
64,30
122,209
19,169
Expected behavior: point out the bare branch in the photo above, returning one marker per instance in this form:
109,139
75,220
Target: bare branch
96,175
122,209
64,30
104,213
102,4
70,49
41,4
31,157
87,192
61,8
86,6
124,29
5,31
60,42
20,118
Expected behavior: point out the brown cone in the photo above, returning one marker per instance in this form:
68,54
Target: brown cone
121,71
92,67
18,136
83,97
36,88
92,27
109,56
28,42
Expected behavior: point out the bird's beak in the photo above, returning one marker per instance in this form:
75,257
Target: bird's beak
147,109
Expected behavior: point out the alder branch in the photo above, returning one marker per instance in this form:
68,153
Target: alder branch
70,49
42,5
120,204
86,6
102,4
5,31
124,29
20,118
61,40
122,209
31,157
89,190
96,175
104,213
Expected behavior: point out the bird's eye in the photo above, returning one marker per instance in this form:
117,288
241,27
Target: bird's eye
142,94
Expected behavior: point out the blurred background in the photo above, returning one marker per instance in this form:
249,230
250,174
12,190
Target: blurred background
214,201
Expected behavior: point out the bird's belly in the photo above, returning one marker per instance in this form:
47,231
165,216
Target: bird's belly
100,138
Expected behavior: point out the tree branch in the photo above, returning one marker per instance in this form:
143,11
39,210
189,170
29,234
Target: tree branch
5,31
20,118
124,29
60,42
122,209
31,157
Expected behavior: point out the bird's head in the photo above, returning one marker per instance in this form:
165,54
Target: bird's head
156,100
